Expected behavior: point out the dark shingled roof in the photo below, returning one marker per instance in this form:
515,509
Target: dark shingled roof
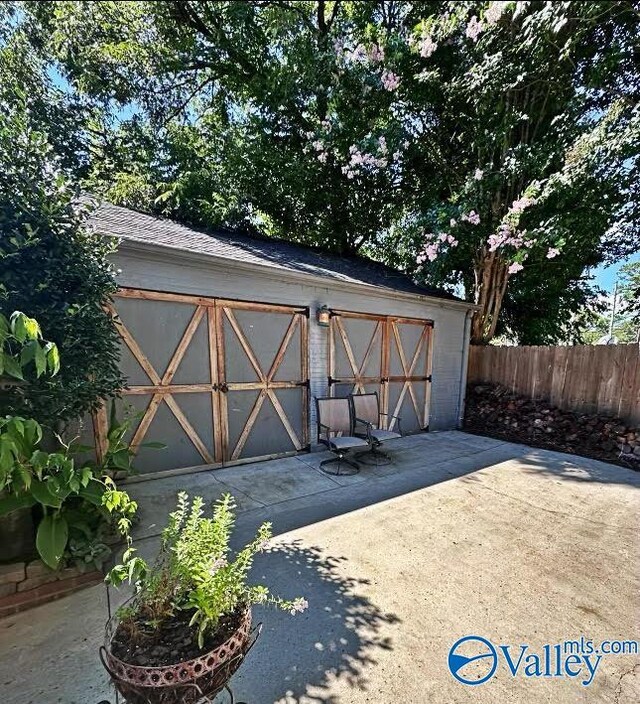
239,247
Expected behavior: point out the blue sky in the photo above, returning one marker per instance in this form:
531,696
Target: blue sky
605,277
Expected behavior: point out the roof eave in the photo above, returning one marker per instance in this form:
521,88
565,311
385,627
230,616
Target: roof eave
278,272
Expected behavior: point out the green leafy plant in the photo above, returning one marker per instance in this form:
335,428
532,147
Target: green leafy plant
119,455
31,476
22,346
195,571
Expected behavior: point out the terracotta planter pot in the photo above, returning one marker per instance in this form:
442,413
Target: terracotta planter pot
185,682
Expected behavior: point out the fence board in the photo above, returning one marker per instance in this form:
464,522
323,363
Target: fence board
601,379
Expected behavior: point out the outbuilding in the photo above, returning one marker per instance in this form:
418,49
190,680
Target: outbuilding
227,338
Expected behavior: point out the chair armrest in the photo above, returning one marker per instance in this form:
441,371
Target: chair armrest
398,418
369,425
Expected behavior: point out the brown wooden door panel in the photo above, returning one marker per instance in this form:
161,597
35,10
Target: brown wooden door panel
264,370
387,354
192,361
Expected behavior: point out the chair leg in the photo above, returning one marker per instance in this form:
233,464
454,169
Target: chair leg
340,459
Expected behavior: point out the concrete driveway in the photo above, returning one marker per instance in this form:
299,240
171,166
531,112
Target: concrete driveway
462,536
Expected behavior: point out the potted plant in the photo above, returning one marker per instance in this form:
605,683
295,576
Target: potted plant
187,627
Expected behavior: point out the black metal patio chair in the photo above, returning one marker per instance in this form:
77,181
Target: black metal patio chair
335,430
366,424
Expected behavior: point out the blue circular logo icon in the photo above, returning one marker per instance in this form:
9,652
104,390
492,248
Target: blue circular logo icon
473,660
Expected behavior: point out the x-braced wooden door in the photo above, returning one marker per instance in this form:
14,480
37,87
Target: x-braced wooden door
389,355
216,381
265,377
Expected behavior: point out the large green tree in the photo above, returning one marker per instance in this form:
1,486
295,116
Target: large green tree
491,146
51,266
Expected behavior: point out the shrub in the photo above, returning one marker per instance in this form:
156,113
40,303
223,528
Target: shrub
54,269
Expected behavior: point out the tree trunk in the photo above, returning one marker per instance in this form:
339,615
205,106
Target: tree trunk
491,277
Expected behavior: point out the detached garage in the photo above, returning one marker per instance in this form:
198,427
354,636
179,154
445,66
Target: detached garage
227,338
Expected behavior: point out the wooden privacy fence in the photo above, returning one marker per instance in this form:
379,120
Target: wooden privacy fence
601,379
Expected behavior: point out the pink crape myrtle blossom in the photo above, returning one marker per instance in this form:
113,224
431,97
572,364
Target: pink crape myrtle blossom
390,80
471,217
479,173
553,252
507,235
521,204
453,222
515,268
426,47
494,12
322,156
474,29
376,54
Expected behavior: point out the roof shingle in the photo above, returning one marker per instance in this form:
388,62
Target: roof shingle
130,225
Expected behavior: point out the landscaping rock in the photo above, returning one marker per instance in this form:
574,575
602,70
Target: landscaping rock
497,412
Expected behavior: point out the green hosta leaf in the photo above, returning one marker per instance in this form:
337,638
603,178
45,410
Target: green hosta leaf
14,502
51,539
43,495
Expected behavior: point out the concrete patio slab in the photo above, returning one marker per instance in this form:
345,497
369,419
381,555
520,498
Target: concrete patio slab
516,545
275,481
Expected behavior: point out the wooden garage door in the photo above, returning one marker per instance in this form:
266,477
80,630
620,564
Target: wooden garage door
390,355
216,381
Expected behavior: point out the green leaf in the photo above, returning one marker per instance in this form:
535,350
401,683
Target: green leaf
154,445
40,359
121,459
18,326
12,367
93,492
32,328
51,539
14,502
28,353
53,359
41,493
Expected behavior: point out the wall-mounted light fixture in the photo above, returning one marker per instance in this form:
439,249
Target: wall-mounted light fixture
323,315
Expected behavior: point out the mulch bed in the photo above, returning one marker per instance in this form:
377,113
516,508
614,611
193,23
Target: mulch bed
137,643
496,412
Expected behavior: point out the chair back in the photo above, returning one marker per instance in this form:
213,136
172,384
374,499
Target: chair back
366,407
334,413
